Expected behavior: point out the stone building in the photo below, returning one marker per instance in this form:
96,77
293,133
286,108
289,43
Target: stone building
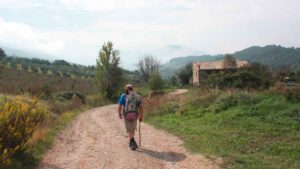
202,69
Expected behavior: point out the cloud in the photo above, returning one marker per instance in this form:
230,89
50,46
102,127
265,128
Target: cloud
104,5
27,37
80,27
18,3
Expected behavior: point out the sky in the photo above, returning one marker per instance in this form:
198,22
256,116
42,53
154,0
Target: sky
75,30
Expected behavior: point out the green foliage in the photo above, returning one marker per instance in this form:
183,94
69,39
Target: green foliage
156,82
229,62
18,121
45,92
143,90
96,101
275,57
241,80
185,74
174,81
252,77
293,94
262,72
132,77
68,95
108,78
12,82
2,54
247,130
147,67
44,66
61,63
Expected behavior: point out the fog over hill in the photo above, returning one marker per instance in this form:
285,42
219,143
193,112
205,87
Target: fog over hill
163,54
10,51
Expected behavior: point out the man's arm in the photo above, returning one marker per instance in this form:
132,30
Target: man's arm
120,111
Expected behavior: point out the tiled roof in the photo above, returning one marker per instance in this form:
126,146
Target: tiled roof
215,65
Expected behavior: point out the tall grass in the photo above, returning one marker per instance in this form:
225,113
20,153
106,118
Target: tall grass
246,129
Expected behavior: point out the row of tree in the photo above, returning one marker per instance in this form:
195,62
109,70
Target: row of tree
57,67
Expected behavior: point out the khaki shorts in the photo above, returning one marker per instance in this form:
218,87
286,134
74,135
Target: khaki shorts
130,125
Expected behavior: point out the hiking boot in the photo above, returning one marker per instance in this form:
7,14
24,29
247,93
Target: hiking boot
131,143
134,145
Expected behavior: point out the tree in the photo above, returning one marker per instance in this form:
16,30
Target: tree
61,63
2,54
156,82
147,66
185,74
174,81
229,62
108,77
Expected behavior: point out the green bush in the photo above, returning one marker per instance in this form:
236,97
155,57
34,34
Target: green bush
293,94
95,100
18,121
241,80
237,99
68,95
156,82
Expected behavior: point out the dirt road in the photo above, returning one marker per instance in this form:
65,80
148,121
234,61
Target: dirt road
97,139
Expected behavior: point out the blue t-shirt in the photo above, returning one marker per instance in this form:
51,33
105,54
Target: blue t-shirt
122,99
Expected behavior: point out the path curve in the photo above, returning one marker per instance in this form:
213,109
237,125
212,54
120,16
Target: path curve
97,139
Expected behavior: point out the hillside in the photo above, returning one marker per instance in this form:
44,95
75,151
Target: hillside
20,74
276,57
57,67
26,54
246,129
169,69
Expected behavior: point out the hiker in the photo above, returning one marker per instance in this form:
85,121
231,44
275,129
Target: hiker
131,104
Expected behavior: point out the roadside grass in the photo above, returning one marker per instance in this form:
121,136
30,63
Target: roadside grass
246,129
143,90
34,153
61,114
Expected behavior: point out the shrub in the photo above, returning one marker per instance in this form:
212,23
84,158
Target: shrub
67,95
156,82
185,74
235,99
95,100
293,94
59,107
18,121
241,80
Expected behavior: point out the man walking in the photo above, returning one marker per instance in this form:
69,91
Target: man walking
132,107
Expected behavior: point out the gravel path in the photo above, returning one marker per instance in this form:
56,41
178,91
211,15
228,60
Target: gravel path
97,139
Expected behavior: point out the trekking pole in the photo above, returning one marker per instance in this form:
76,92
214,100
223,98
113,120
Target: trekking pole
140,135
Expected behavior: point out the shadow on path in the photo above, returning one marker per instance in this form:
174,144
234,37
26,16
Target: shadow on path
166,156
48,166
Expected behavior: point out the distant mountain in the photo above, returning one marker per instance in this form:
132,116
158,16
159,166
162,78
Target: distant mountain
168,52
163,54
169,69
275,57
27,54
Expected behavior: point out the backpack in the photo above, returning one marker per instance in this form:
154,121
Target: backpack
132,102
